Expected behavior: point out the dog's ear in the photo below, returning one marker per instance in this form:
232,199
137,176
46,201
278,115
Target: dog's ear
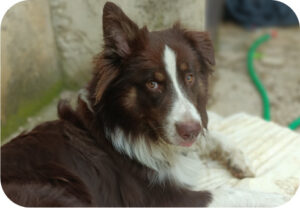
201,41
105,74
118,30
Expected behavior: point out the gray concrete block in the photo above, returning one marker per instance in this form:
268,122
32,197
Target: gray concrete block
78,26
29,67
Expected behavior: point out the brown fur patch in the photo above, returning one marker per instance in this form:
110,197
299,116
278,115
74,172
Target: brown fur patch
203,44
183,66
159,76
201,87
130,98
104,77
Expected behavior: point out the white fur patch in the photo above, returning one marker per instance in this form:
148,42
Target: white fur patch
182,109
167,160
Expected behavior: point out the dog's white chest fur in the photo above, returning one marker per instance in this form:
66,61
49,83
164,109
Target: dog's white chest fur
168,161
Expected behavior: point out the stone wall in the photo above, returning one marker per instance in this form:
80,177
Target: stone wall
29,66
78,26
48,45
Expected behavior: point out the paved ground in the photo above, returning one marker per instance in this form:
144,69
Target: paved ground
232,90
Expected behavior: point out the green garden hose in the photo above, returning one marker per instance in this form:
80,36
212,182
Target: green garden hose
258,84
295,124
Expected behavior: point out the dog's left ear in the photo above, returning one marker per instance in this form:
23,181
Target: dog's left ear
118,30
201,41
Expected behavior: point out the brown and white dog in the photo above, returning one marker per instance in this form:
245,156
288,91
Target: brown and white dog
122,146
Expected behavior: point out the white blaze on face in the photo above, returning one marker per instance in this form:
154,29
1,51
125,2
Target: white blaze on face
182,109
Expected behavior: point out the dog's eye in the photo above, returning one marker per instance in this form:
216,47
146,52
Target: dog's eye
152,85
189,78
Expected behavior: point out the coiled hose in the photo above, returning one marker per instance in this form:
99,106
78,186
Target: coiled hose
258,84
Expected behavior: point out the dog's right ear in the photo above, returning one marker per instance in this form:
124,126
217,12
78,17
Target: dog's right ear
105,74
201,41
118,30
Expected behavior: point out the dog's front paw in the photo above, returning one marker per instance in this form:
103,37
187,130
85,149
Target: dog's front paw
239,165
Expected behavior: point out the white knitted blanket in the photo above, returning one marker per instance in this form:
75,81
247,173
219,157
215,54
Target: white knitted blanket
273,150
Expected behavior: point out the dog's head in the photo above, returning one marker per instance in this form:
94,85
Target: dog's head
152,84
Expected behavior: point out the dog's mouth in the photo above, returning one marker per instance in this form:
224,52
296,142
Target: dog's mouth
178,141
187,143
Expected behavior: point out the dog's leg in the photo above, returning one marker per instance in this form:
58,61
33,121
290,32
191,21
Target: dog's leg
217,147
232,197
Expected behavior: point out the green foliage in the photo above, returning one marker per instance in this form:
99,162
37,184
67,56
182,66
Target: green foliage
29,108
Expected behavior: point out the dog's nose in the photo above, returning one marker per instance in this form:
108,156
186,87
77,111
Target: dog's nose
188,130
